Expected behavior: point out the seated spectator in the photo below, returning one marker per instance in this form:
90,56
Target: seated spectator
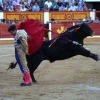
54,3
56,8
66,7
9,1
35,7
32,3
85,8
3,21
10,7
52,21
66,2
1,8
49,3
17,8
45,8
28,7
41,4
79,7
82,2
76,1
62,7
5,8
73,7
8,21
70,3
51,8
15,2
59,3
23,8
96,19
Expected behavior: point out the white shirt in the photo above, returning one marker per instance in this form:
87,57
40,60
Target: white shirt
72,8
48,3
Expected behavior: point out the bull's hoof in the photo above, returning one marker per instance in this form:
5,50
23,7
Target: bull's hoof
98,59
23,84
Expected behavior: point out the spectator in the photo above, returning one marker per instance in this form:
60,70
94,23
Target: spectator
73,7
45,8
5,7
10,7
82,2
9,2
17,8
70,3
28,7
1,8
76,1
96,19
59,3
35,7
49,3
66,7
85,7
79,8
56,8
32,3
23,8
8,21
51,8
62,7
41,4
53,21
15,2
66,2
54,3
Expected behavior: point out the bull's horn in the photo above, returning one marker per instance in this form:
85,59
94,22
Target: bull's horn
89,22
85,22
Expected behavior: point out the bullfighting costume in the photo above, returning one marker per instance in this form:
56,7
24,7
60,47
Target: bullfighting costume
21,48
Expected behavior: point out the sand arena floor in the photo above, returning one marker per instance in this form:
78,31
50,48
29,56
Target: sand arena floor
77,78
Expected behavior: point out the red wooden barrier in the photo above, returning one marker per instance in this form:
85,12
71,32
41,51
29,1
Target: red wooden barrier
5,34
95,27
4,31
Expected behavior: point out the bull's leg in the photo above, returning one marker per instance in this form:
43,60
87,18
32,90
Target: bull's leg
94,56
33,78
80,50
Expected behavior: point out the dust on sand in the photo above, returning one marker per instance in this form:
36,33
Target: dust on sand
77,78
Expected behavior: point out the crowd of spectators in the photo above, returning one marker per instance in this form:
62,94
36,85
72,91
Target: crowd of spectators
43,5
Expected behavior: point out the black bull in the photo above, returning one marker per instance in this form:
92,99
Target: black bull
63,48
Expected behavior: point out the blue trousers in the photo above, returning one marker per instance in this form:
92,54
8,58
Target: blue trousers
19,63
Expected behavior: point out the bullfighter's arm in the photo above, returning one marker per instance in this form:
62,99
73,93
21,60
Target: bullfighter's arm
23,39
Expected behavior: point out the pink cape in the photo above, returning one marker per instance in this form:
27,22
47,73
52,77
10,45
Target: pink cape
35,30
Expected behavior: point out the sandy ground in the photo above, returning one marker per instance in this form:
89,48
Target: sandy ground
77,78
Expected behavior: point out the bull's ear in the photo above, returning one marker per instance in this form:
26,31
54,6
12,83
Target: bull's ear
79,23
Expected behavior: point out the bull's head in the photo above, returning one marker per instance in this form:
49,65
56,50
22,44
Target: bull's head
83,31
86,29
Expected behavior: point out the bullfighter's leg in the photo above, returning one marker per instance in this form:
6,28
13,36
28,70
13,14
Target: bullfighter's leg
23,66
